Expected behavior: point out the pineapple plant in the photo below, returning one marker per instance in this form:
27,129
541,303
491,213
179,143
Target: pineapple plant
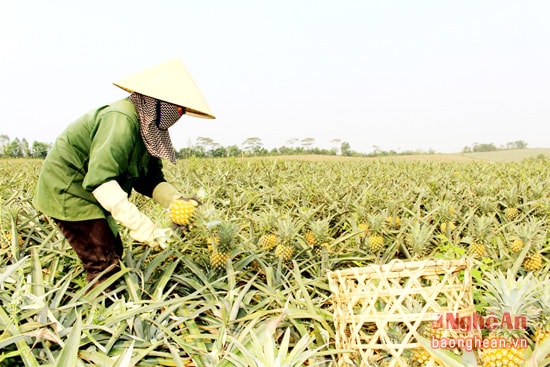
508,296
266,223
222,243
181,211
417,240
375,239
318,235
542,322
531,234
286,233
510,204
482,229
446,214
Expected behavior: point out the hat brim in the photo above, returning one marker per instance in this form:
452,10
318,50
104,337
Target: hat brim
169,82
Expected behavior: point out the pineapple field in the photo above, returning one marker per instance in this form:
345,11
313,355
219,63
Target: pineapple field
244,279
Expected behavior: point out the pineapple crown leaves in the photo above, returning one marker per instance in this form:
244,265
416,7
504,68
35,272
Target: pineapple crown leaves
531,231
320,229
482,227
287,229
226,233
266,220
506,293
375,221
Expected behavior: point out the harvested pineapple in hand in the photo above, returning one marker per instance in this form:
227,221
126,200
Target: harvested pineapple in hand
181,211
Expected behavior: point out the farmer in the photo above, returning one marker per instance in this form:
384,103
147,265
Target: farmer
95,163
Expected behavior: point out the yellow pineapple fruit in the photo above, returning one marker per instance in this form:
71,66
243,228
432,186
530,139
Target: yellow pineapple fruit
310,238
267,241
511,212
477,249
517,245
364,228
509,357
181,211
393,222
218,260
420,357
532,262
447,226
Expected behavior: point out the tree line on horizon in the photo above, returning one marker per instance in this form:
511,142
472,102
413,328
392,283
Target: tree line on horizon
205,147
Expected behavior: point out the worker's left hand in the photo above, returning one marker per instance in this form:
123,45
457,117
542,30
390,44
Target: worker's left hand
162,236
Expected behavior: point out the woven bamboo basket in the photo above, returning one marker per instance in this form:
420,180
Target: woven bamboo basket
371,303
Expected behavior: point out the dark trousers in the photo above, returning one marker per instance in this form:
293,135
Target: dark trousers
95,244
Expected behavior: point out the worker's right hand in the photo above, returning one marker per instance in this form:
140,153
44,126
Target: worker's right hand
115,200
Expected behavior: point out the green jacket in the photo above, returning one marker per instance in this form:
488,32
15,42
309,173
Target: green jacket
103,145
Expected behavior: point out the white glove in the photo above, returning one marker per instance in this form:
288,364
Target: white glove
115,200
164,194
162,235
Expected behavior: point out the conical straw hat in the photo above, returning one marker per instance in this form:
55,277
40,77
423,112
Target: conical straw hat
169,82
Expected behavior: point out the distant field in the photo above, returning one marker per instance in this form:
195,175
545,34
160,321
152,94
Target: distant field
511,155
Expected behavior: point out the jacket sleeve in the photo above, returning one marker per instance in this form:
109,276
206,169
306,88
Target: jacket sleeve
146,185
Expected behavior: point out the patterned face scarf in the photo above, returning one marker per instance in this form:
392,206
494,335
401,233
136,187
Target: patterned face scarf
155,118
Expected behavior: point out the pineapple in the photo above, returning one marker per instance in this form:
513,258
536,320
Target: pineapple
286,232
478,249
420,357
375,240
507,295
517,245
222,244
267,241
284,252
393,222
447,226
364,228
181,211
532,262
511,212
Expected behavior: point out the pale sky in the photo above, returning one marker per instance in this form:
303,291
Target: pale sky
396,74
